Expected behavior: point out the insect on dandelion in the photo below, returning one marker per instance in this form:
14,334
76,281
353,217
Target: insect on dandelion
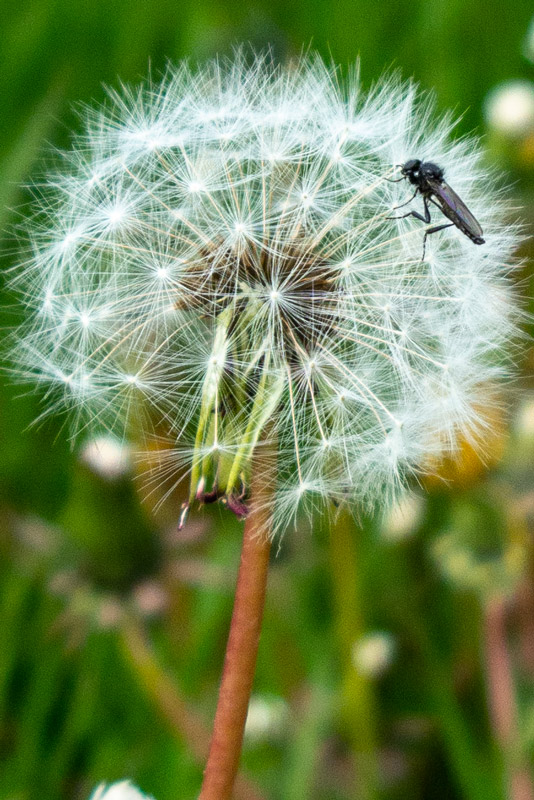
215,263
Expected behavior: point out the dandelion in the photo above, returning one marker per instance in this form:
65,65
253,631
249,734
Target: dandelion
215,263
215,254
122,790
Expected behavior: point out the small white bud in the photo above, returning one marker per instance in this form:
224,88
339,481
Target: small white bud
402,519
373,653
266,718
150,598
107,456
524,419
109,613
509,108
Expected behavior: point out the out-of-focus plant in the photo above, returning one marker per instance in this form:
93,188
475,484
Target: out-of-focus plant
486,550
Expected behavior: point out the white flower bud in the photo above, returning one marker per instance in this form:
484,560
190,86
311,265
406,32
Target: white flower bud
150,598
402,519
509,108
524,419
373,654
107,456
266,718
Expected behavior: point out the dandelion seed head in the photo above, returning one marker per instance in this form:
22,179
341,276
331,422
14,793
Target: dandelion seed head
121,790
214,260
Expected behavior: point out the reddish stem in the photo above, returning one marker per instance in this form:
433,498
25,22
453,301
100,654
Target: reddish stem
502,699
525,619
241,651
499,674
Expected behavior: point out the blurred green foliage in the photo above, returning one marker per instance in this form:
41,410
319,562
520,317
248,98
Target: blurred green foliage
110,621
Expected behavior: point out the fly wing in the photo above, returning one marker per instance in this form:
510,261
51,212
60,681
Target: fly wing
450,203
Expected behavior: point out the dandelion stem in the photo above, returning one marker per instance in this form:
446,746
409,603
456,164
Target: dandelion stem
242,647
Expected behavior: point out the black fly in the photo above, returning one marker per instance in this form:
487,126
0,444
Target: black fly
429,183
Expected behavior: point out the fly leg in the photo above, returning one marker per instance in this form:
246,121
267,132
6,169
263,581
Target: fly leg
424,218
414,213
434,229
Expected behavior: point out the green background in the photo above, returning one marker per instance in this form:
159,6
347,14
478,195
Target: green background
110,621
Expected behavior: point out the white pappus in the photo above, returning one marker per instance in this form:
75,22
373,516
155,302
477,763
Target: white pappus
214,263
121,790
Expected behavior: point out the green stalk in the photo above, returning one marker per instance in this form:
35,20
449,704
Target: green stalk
265,402
357,694
209,395
475,774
